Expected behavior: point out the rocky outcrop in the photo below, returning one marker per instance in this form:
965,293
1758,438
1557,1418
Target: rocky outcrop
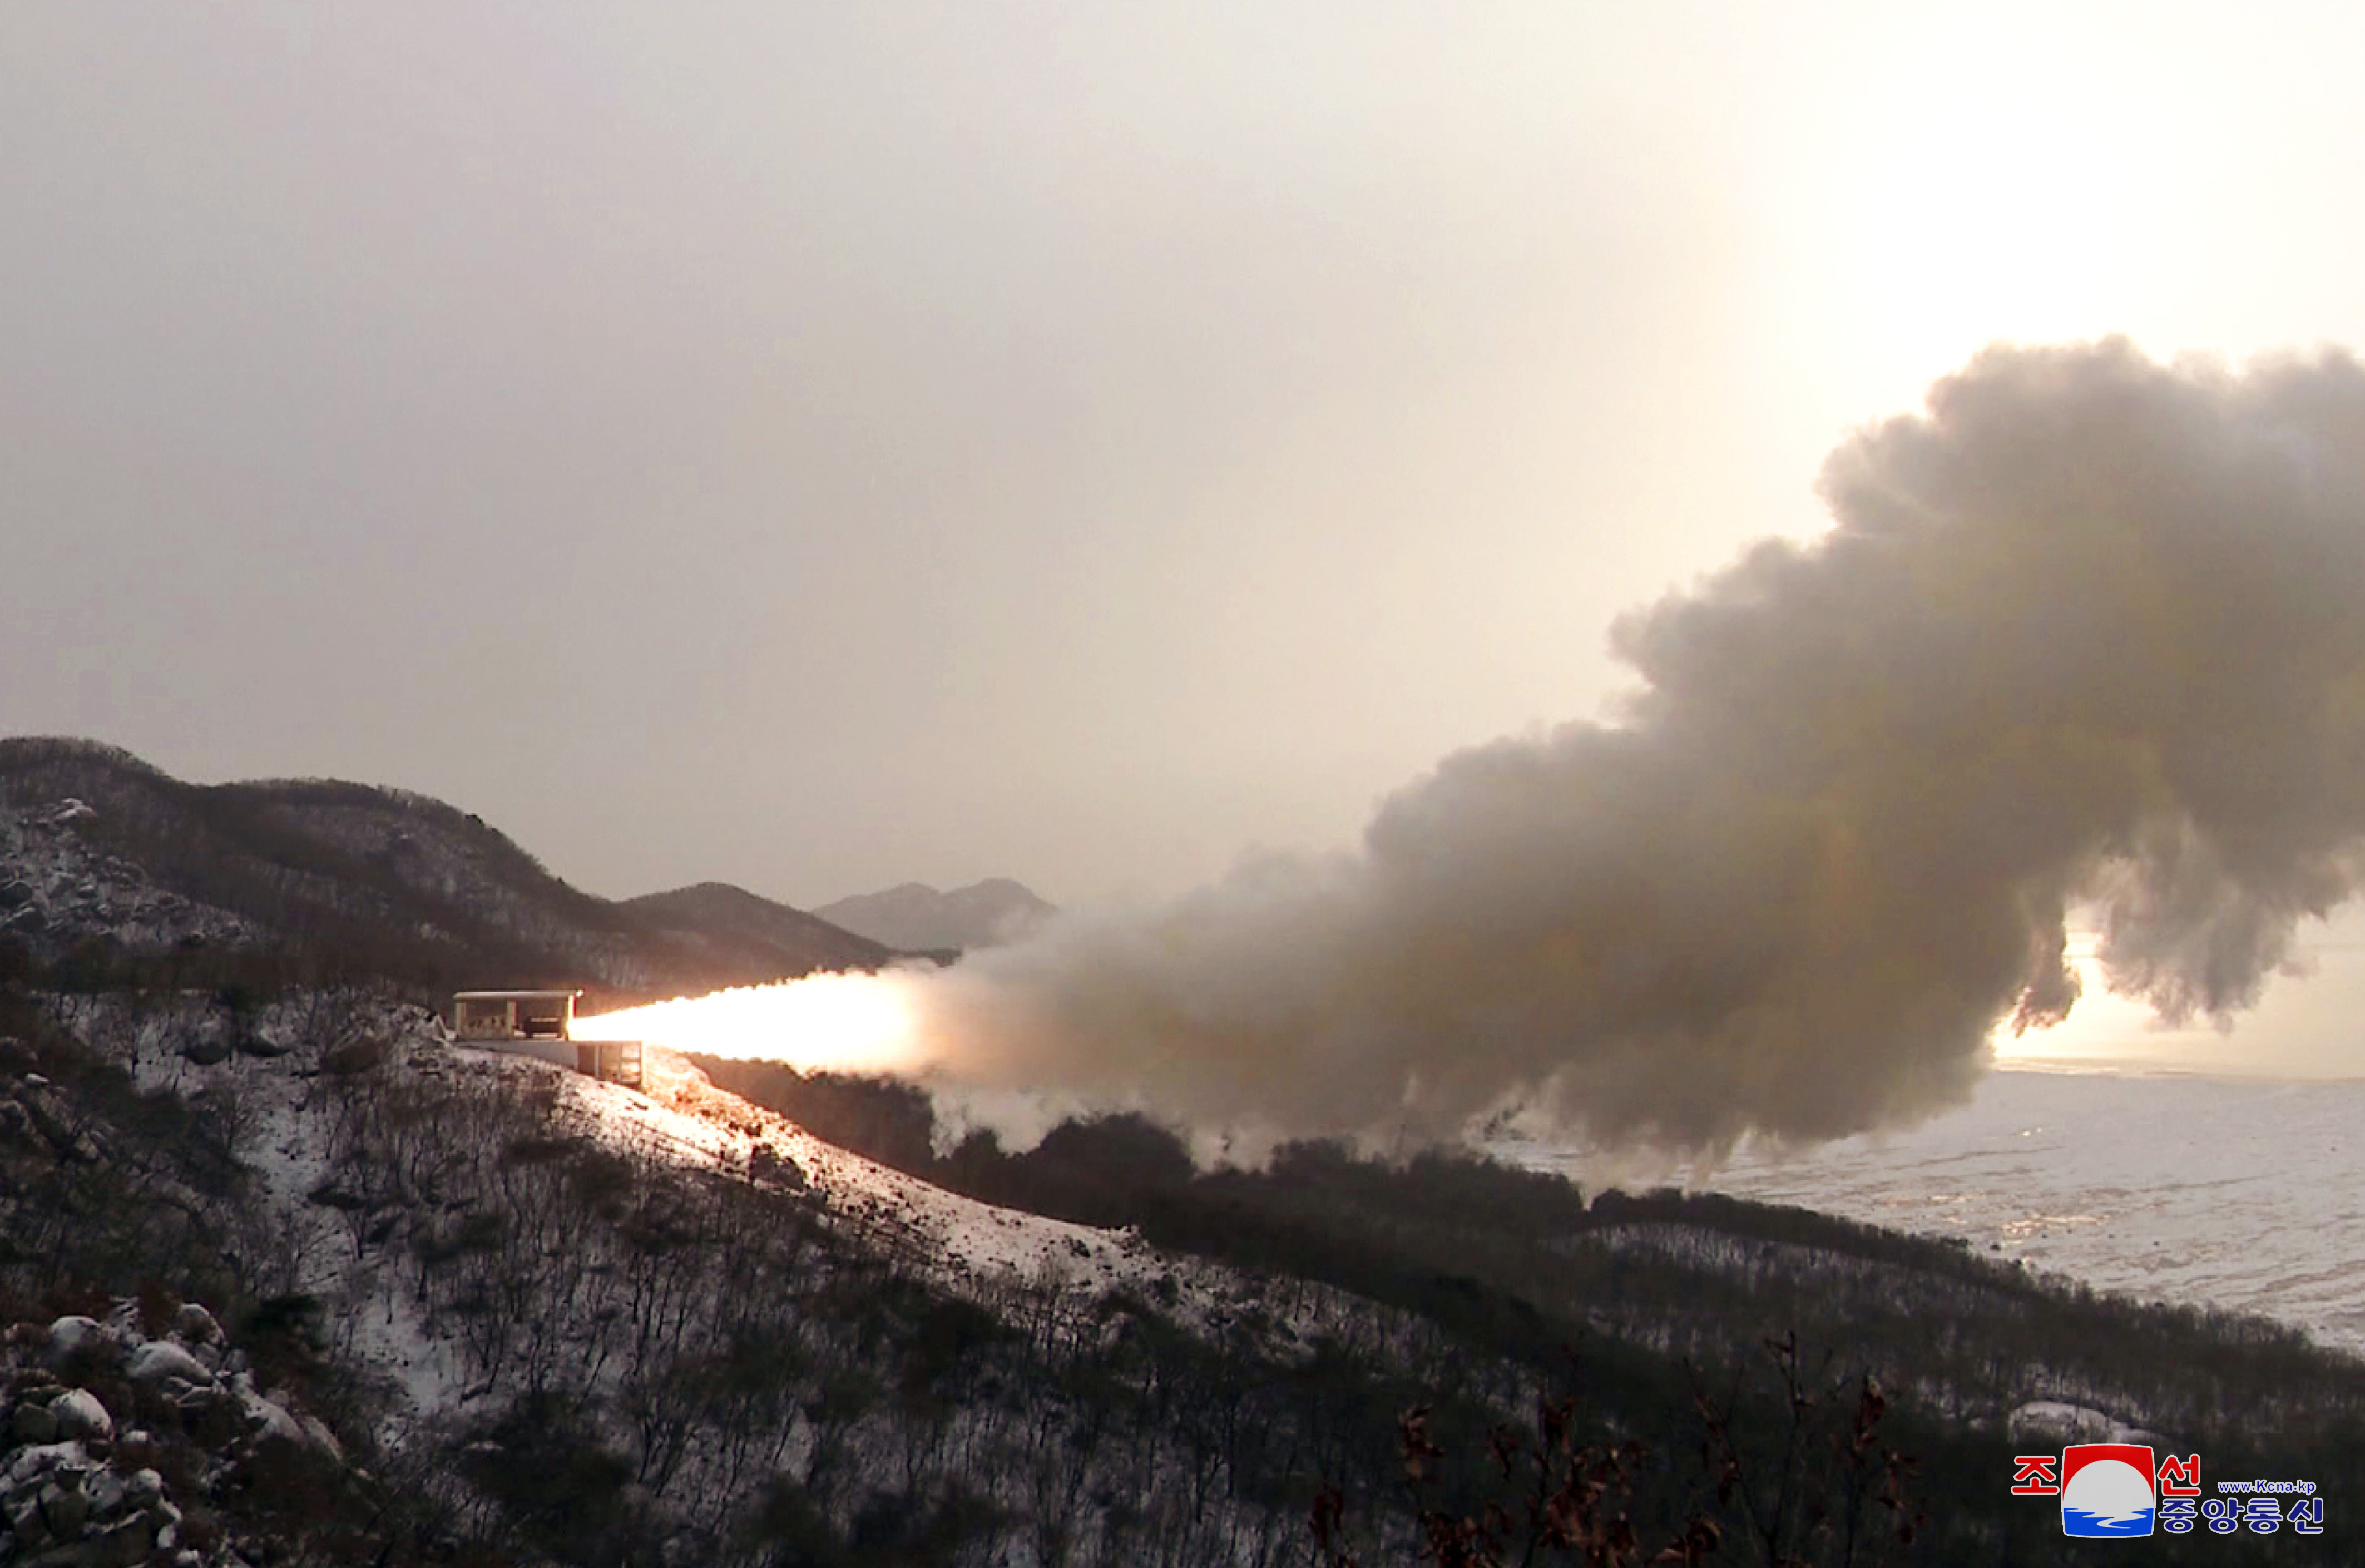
97,1413
2054,1424
59,886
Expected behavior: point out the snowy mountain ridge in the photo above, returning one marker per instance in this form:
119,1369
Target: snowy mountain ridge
99,848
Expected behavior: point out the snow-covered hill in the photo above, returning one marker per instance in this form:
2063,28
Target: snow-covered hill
97,846
486,1233
565,1321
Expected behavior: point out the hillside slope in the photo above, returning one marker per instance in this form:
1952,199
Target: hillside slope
97,848
508,1315
567,1321
563,1321
737,929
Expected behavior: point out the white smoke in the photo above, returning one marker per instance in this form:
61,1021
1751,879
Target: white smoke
2090,632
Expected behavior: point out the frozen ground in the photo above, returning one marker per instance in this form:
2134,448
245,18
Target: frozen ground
1006,1258
2211,1191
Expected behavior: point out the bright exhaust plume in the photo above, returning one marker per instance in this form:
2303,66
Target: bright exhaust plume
826,1023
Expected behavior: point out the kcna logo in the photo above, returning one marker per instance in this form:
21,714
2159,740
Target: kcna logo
2107,1489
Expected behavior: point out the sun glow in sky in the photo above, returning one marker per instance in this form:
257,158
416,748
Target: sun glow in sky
1074,441
2306,1027
1068,442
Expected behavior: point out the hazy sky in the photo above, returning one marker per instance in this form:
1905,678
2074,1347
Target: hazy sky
816,446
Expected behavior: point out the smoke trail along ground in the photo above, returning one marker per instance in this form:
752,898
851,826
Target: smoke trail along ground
2085,631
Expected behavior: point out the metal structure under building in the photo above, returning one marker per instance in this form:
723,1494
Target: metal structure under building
542,1023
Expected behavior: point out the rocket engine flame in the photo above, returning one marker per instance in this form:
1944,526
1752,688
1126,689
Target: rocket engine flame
825,1022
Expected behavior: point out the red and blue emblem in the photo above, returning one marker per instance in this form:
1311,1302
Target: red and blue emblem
2106,1490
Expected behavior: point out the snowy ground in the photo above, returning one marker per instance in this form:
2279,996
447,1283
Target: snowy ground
2209,1191
970,1247
681,1116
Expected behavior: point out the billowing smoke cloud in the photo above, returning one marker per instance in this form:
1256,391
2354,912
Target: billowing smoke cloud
2087,633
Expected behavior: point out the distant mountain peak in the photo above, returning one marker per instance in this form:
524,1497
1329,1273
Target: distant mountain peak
917,918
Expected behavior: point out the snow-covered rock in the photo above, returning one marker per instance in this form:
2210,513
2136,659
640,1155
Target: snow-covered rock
317,1433
67,1335
64,1502
265,1418
62,1508
56,886
2053,1422
195,1326
79,1415
162,1359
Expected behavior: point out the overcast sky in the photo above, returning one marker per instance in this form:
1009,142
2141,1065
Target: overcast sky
817,446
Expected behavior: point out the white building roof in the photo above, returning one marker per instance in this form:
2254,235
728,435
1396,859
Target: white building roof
513,995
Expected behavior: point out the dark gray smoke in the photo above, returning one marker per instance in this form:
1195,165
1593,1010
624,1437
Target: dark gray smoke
2087,633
